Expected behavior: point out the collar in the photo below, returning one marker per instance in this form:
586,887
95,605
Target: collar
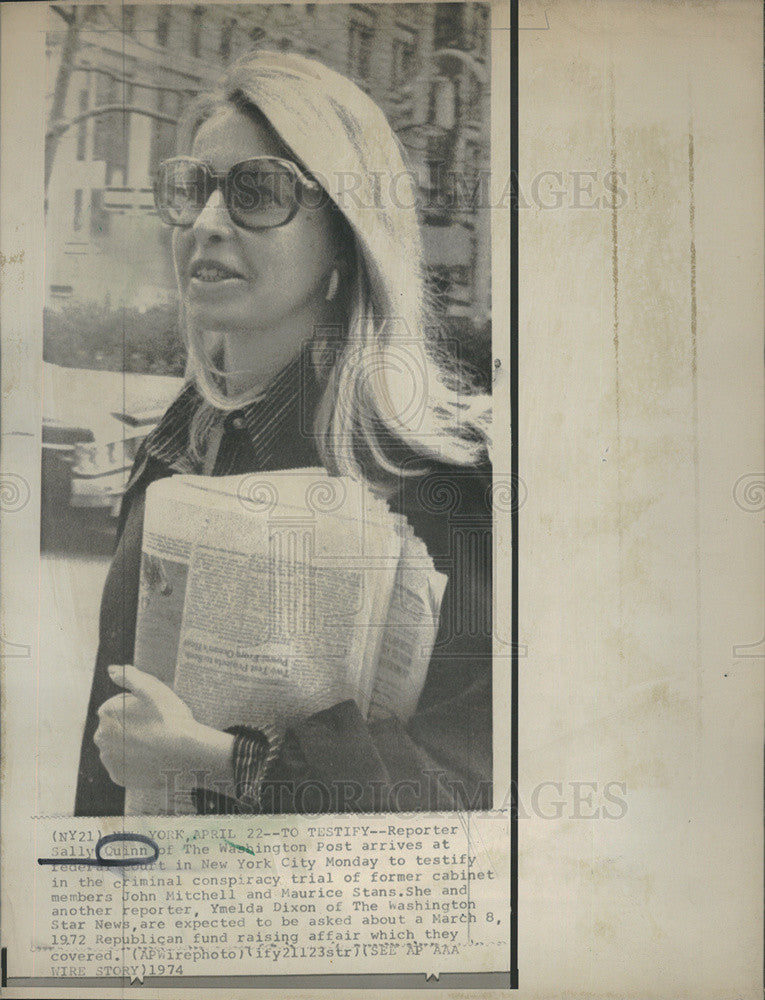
271,424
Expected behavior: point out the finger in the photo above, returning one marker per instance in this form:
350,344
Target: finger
120,674
113,766
133,679
112,707
146,687
106,734
118,705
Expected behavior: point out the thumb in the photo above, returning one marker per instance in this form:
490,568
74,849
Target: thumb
134,680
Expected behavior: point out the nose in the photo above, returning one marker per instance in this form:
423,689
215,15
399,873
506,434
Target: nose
213,221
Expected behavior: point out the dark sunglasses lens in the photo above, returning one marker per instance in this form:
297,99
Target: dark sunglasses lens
261,195
181,191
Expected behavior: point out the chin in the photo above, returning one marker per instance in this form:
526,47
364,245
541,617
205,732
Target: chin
231,321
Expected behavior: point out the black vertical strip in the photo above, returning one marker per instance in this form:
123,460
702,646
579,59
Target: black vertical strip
516,481
3,967
128,182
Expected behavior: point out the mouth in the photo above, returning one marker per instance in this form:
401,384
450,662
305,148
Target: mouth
212,272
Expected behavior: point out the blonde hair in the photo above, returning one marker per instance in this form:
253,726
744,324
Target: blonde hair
386,382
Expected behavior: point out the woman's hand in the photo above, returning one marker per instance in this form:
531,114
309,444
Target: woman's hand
148,738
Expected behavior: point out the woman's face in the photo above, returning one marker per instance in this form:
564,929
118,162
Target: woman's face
279,276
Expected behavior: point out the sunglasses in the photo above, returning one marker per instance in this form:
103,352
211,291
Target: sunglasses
261,193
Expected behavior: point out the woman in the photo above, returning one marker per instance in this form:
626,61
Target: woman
298,260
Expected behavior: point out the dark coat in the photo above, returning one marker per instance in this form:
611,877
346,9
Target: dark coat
334,761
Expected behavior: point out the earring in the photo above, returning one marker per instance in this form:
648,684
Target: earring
334,281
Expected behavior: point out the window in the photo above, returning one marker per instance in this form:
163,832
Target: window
443,103
197,14
100,219
77,221
103,125
472,162
82,127
360,37
164,133
481,30
432,98
436,185
467,186
471,268
163,25
475,99
226,37
403,63
110,131
437,157
448,28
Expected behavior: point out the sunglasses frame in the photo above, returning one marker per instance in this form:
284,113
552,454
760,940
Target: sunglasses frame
221,184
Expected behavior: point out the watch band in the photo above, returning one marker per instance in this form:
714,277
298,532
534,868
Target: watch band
251,756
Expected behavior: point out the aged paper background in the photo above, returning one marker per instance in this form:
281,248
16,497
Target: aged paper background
642,529
641,557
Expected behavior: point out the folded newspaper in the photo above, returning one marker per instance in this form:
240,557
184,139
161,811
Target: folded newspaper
267,597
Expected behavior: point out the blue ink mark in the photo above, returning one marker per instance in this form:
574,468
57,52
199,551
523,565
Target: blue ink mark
102,862
239,847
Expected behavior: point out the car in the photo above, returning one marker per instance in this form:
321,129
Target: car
93,425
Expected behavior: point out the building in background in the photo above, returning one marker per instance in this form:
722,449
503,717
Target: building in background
427,65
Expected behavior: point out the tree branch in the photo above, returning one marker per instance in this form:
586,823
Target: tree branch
83,67
108,109
69,18
68,52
